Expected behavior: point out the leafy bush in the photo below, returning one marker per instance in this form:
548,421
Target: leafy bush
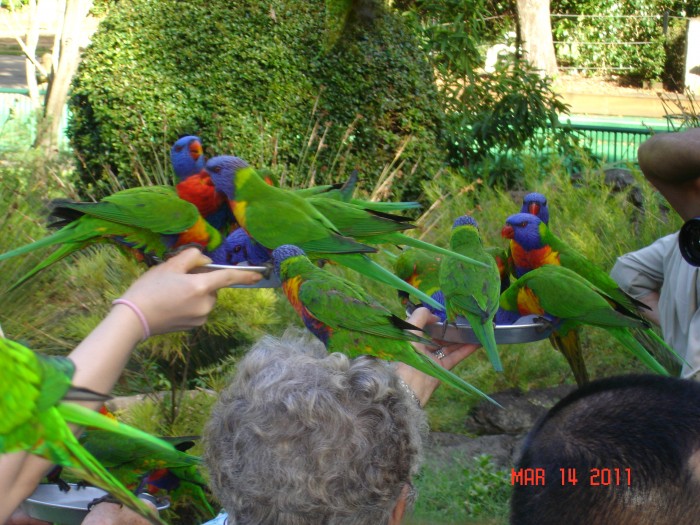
251,79
611,35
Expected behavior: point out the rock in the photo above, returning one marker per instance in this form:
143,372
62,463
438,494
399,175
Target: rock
443,448
519,413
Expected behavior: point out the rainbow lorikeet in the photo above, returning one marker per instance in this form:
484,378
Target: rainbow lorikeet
35,420
194,183
568,300
187,156
419,269
238,247
570,344
533,245
273,217
139,466
470,291
150,221
536,204
348,320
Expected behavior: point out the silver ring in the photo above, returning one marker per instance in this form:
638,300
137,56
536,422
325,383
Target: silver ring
440,353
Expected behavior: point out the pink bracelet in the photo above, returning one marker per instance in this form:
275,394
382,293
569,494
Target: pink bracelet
139,314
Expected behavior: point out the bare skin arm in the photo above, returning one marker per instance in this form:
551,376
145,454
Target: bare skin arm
171,300
422,384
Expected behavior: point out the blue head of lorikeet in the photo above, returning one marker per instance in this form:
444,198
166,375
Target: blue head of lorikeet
222,171
239,247
524,229
187,156
536,204
284,252
464,220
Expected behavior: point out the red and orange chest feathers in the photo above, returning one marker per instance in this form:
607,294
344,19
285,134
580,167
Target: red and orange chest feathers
525,260
200,191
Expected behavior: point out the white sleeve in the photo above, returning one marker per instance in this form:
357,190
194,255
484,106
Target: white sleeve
642,272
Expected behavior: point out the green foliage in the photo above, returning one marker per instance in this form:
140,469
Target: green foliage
463,490
251,79
497,116
610,38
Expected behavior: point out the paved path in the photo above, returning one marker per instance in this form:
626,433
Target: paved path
12,73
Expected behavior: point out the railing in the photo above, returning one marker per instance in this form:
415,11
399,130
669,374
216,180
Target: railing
615,140
18,121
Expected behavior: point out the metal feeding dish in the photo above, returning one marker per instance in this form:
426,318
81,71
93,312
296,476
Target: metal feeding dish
527,329
50,504
269,280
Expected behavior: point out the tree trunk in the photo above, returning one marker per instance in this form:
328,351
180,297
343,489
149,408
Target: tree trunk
32,39
72,34
536,32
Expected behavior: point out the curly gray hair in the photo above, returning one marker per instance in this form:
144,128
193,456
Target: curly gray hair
301,436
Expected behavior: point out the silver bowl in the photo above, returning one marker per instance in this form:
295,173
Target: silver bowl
50,504
526,329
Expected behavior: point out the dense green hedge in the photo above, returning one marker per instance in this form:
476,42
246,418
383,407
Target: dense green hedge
246,77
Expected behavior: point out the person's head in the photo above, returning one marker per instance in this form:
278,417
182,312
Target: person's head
633,443
305,437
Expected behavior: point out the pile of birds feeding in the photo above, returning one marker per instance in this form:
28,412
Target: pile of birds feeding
236,214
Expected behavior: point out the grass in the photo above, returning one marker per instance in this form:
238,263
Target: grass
467,490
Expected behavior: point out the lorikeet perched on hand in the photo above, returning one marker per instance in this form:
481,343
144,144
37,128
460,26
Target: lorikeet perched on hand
150,221
472,292
35,419
273,217
348,320
567,299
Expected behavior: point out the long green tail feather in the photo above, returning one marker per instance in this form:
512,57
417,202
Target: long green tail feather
86,417
430,367
569,345
625,336
95,474
388,207
367,267
61,236
417,243
484,332
650,340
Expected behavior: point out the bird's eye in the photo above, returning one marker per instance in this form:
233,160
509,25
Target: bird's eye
523,224
237,249
178,148
216,169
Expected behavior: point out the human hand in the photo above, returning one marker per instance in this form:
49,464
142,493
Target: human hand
114,514
422,384
171,299
19,517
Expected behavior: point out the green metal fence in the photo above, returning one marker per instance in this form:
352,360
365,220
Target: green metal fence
615,140
18,122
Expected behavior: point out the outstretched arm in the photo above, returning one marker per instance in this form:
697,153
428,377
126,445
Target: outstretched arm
169,299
